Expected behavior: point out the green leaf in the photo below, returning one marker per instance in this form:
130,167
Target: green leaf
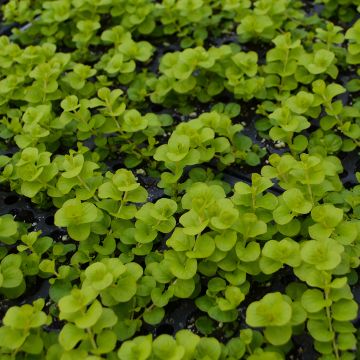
178,147
11,338
333,90
134,121
299,315
33,344
242,142
137,349
236,348
216,285
74,212
250,226
271,310
80,232
327,215
188,340
24,317
204,246
299,144
72,165
226,240
184,288
47,266
226,216
124,289
205,325
319,330
91,316
124,180
107,319
346,342
208,348
10,271
344,310
180,266
312,276
179,241
70,103
323,254
165,347
282,215
295,201
286,251
70,335
106,342
192,223
8,229
319,232
313,300
248,253
269,266
301,102
98,277
278,335
154,316
161,298
321,61
233,297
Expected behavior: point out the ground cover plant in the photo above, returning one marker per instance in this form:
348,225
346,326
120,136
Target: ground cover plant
179,179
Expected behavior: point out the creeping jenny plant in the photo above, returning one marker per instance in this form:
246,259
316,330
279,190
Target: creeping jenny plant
179,179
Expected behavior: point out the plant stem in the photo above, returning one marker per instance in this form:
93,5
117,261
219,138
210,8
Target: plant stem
329,319
253,199
284,68
83,183
310,193
122,201
91,337
357,142
309,186
13,355
248,348
149,308
331,108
